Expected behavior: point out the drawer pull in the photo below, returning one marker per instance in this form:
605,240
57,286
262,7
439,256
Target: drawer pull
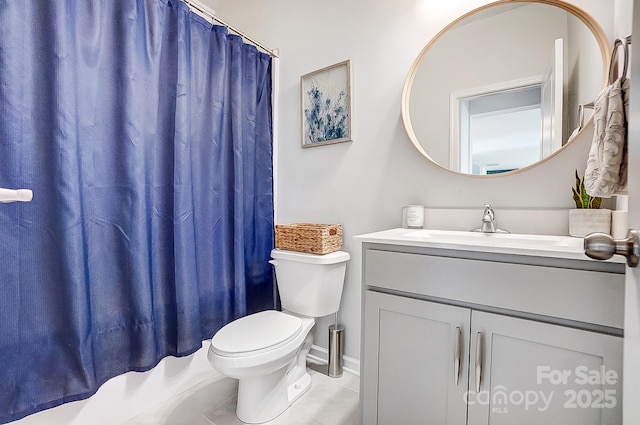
478,361
456,356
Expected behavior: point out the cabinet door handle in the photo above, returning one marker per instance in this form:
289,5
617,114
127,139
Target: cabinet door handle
478,361
456,356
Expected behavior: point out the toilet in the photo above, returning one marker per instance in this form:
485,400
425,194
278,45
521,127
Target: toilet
267,351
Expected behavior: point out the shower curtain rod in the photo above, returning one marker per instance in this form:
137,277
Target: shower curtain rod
212,14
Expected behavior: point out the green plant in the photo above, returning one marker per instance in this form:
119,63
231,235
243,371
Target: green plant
582,198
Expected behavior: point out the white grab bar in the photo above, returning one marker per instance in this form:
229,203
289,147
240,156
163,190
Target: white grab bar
15,195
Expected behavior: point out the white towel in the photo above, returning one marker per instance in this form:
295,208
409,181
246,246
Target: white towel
606,172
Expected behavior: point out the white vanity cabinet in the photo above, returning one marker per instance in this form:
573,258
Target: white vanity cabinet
536,373
410,375
460,337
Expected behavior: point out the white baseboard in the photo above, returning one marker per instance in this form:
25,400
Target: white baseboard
321,355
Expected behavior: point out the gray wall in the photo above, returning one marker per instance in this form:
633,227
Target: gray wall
363,184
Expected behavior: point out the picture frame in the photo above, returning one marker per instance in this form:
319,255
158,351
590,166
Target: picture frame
326,105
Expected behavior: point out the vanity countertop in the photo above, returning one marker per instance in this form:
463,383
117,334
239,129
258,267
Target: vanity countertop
565,247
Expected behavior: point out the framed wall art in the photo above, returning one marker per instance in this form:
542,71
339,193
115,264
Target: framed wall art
326,105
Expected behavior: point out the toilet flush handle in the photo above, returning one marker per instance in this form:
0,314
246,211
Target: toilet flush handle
273,262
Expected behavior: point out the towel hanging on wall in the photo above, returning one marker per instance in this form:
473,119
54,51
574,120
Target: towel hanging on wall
606,172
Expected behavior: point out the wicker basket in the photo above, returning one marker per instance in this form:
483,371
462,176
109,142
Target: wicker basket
309,237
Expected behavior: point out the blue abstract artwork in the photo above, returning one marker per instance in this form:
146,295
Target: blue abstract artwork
326,107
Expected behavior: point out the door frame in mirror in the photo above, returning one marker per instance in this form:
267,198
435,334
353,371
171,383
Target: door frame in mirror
587,19
455,134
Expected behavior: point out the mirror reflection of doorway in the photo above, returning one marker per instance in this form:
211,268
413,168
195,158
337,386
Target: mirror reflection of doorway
500,131
553,111
509,126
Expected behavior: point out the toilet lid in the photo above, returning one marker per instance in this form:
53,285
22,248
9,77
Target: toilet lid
267,329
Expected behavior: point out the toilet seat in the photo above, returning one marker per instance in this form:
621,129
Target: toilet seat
256,333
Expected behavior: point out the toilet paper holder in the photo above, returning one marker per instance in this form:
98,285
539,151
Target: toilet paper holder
336,344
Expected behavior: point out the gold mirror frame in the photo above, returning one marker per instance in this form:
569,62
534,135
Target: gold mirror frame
587,19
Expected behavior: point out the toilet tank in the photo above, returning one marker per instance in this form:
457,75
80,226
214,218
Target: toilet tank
310,284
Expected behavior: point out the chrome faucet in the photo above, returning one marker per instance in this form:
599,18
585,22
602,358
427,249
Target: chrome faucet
489,221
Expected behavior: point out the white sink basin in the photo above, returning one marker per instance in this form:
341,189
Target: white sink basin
496,239
551,246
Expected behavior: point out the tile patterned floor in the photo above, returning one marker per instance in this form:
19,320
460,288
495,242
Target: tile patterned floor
329,401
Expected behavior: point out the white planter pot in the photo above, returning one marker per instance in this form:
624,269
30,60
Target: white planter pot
585,221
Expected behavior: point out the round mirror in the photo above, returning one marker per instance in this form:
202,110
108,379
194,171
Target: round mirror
505,86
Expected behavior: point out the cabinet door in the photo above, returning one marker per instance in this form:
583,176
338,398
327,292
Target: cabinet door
415,363
537,373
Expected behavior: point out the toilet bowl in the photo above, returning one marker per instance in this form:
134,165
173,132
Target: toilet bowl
267,351
271,369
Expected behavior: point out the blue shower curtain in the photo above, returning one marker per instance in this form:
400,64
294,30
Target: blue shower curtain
145,134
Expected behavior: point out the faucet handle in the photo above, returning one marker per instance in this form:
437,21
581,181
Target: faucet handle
488,222
488,209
